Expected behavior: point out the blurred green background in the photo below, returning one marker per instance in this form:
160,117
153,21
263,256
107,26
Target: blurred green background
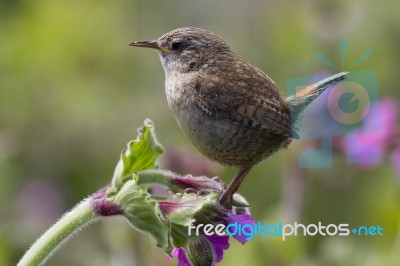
72,94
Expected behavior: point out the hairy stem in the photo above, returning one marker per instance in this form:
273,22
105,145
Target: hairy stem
80,216
154,177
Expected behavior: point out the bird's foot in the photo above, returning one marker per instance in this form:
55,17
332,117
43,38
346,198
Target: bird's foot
226,197
225,200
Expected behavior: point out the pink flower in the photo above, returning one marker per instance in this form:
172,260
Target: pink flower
205,250
209,250
366,145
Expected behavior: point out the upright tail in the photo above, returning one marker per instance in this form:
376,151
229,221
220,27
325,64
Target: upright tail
298,102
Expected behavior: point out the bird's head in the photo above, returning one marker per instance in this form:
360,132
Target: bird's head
186,49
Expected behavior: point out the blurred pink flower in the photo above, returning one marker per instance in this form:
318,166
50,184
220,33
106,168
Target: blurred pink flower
183,161
367,145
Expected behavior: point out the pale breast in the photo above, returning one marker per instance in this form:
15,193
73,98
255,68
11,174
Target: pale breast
177,86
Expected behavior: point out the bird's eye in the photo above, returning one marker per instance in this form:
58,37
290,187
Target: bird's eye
176,45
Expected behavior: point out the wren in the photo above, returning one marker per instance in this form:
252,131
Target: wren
231,111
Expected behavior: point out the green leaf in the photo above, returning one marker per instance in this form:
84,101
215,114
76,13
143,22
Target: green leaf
141,212
179,235
141,154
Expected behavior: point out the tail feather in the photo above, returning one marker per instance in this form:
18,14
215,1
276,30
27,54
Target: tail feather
298,102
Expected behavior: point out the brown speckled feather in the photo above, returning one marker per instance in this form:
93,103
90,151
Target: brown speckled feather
244,95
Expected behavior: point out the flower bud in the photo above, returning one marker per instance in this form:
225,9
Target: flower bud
200,251
181,208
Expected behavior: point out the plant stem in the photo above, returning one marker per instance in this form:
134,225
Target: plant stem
154,177
81,215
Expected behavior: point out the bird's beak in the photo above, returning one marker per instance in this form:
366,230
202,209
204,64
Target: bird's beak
149,44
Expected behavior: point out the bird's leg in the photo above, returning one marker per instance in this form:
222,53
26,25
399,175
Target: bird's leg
226,197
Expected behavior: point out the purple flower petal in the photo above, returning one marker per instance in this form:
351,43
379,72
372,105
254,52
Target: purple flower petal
180,253
242,219
220,243
210,249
